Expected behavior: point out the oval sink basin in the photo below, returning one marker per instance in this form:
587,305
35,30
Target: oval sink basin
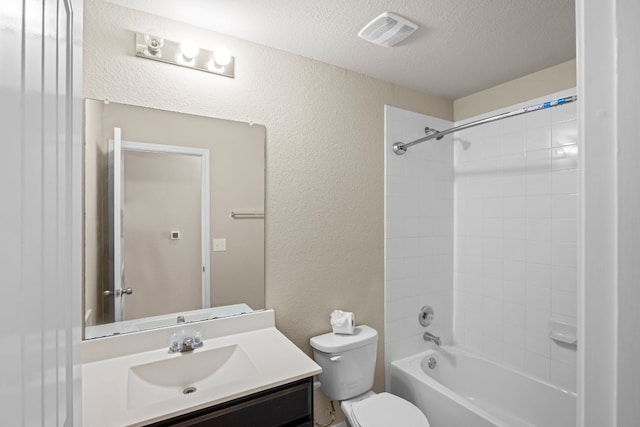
187,373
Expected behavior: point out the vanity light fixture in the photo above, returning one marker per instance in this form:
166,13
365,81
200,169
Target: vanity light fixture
186,54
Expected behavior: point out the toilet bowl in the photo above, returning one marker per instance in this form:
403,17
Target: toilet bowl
348,367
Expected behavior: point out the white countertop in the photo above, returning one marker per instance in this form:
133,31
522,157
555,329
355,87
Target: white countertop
276,359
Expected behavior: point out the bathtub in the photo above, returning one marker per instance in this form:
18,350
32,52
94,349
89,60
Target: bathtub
465,390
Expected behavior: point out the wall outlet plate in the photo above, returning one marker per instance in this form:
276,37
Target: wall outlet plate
219,245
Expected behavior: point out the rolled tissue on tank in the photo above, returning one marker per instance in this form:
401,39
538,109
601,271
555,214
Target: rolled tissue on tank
342,322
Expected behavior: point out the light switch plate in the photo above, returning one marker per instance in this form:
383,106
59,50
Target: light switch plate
219,245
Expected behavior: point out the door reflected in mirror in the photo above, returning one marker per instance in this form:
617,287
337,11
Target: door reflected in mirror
149,247
159,225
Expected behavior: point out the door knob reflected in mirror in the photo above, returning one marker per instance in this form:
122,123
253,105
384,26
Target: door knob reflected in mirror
118,292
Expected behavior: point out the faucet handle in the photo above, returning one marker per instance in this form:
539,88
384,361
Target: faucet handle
197,338
174,343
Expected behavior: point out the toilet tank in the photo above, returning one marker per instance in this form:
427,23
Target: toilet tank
348,362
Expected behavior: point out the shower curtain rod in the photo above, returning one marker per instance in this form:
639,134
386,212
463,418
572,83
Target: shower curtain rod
400,147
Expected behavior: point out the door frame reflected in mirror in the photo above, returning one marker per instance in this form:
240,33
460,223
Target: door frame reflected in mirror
118,285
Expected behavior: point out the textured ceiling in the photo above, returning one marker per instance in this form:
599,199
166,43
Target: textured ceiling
461,47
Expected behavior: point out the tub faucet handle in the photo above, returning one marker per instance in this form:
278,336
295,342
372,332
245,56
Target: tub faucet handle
425,317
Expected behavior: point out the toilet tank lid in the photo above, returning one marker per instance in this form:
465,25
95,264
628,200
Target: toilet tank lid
337,343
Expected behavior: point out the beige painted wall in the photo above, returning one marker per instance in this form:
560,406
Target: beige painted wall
553,79
325,169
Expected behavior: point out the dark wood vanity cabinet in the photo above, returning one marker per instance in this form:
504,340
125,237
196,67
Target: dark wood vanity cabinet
290,405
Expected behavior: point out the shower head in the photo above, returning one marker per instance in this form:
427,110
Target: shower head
464,143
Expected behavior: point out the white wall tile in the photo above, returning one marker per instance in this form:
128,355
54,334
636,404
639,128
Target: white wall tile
538,251
513,356
538,344
564,133
514,249
563,353
514,336
564,254
538,206
536,319
493,267
514,185
563,375
492,287
538,229
514,228
538,366
564,158
564,303
538,183
564,278
514,207
492,207
492,246
538,160
565,182
514,292
540,118
565,231
514,142
564,206
538,275
538,138
514,314
539,298
514,164
515,271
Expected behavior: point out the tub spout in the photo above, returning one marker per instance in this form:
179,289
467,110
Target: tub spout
430,337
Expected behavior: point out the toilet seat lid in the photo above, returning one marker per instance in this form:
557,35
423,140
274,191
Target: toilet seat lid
385,409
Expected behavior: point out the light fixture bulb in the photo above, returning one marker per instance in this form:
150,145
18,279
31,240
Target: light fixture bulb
154,43
222,56
189,48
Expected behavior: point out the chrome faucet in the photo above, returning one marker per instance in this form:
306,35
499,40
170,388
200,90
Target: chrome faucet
181,343
430,337
180,319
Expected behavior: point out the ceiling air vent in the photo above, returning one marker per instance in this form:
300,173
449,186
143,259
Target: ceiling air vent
387,30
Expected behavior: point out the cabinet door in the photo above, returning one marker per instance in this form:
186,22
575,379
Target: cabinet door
286,406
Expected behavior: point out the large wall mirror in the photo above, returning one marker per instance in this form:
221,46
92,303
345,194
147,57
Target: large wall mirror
174,218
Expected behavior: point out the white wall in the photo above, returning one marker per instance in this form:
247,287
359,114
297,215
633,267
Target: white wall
516,235
628,15
418,233
608,65
40,175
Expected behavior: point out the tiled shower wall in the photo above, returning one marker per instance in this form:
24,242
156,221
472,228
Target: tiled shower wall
515,239
418,233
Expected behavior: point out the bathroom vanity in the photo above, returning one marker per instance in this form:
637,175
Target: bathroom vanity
291,405
246,373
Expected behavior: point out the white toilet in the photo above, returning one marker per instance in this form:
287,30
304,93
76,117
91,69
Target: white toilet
348,365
